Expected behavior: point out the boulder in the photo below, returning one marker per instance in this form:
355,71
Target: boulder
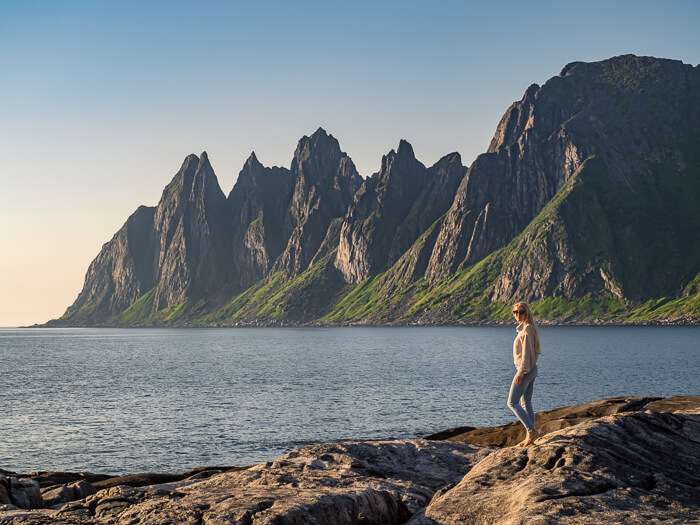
20,493
65,493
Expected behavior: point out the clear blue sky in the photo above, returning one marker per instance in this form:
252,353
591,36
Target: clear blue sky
101,101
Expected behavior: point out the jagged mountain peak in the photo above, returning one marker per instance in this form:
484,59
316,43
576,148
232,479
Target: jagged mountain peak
252,160
320,137
318,159
210,182
249,176
191,161
183,178
401,162
531,91
405,149
320,132
319,143
448,162
455,156
204,166
195,181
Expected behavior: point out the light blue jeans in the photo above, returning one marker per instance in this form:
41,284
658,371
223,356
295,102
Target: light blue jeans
520,399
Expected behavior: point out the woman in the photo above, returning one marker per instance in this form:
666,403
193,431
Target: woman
526,350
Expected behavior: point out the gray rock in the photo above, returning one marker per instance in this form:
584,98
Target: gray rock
356,482
559,418
65,493
325,181
631,467
22,493
392,209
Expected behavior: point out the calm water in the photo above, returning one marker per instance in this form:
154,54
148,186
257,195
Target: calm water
135,400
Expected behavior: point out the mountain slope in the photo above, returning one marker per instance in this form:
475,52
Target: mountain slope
586,204
620,235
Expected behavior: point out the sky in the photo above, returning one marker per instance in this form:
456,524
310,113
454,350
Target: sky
100,102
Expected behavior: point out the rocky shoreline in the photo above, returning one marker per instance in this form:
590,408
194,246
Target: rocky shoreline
621,460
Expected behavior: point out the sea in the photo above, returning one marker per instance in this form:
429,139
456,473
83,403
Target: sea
120,401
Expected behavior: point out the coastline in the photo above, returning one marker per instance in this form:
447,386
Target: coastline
676,321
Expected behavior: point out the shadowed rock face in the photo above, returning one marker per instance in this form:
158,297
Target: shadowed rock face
621,460
392,209
259,231
174,250
325,181
189,223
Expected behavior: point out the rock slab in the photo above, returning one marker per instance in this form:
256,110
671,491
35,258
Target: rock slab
626,468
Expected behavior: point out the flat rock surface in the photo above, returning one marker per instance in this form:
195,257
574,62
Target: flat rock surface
559,418
620,460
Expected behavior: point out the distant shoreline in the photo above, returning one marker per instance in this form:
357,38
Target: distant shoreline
684,321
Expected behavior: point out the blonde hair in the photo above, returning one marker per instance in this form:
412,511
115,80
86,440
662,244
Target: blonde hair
529,320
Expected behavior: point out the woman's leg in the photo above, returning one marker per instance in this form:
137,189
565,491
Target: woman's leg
526,400
517,392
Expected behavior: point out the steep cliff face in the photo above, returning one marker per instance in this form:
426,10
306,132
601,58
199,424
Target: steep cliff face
325,181
620,228
530,158
120,274
585,205
638,117
392,209
436,198
190,228
256,210
167,253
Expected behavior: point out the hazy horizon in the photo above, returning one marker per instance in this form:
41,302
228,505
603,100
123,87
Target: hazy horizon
102,102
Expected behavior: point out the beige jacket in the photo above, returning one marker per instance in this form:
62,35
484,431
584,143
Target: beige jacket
524,353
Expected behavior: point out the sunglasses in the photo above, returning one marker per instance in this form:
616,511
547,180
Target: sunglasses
518,311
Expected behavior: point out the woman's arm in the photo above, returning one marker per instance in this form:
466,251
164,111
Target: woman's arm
528,355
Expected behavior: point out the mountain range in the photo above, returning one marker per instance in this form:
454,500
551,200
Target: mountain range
586,205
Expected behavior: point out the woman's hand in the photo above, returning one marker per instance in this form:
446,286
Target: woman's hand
519,377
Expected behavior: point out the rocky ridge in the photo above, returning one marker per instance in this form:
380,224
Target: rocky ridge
583,205
392,209
621,459
579,207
